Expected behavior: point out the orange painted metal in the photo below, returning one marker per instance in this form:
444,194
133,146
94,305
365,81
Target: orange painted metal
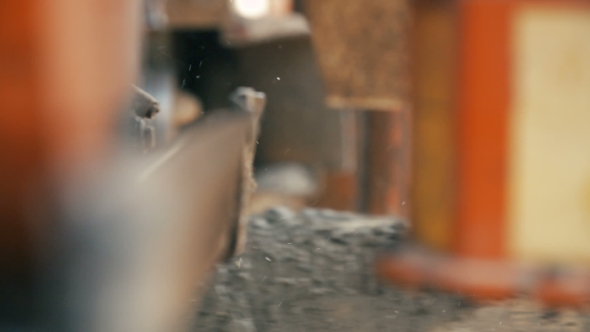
480,280
564,288
484,97
483,101
477,266
485,280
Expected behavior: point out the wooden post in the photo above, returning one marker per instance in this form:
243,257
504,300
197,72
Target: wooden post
388,162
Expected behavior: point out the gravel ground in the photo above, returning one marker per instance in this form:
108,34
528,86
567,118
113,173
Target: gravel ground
313,272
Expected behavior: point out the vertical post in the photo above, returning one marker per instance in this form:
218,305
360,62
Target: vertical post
433,144
65,70
388,160
482,127
21,152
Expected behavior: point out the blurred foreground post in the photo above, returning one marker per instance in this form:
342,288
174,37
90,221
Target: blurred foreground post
94,235
64,74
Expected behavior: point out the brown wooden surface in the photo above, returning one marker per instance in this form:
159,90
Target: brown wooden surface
362,51
197,14
433,151
339,192
388,163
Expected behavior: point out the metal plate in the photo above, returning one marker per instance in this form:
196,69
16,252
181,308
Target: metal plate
147,233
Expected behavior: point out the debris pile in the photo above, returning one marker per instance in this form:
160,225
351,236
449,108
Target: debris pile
310,271
313,271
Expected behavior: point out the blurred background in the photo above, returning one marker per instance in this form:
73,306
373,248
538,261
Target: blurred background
433,144
331,112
